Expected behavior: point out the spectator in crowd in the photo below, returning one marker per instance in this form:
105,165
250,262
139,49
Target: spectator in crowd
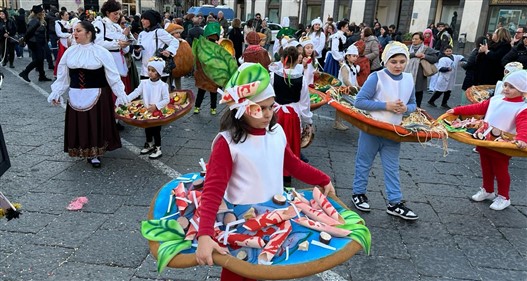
470,67
517,53
384,37
394,33
7,45
428,38
490,68
196,31
372,51
268,35
223,23
518,36
236,36
444,37
249,26
257,22
187,25
377,29
21,28
419,51
36,38
136,26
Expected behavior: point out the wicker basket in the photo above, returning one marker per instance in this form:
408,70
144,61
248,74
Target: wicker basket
163,120
506,148
477,94
382,129
258,271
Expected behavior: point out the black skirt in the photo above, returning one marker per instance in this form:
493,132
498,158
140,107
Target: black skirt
91,133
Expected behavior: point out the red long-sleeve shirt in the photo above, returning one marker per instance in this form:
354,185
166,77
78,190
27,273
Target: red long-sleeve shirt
219,171
482,107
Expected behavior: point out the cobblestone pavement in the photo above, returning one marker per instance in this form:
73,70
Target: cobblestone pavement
454,239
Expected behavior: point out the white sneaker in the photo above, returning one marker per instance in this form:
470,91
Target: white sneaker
339,126
149,147
156,154
483,195
500,203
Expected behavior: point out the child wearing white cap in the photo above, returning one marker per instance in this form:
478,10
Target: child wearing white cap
387,94
236,172
508,113
155,96
348,75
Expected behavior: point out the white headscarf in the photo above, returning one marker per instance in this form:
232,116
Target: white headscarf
518,80
393,48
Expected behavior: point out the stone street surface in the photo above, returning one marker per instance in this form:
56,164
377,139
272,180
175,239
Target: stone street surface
454,239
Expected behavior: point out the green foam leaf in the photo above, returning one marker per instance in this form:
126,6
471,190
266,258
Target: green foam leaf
168,250
162,230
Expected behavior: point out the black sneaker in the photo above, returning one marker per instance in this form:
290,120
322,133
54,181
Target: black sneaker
402,211
361,202
432,104
44,79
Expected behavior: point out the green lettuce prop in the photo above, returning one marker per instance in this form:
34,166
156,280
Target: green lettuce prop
217,63
359,232
172,236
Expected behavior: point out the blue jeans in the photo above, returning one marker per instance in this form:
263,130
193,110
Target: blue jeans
368,148
19,50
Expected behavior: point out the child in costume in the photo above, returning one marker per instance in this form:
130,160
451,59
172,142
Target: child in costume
203,83
348,75
292,99
236,171
336,53
309,59
254,52
387,95
447,66
509,68
507,112
155,97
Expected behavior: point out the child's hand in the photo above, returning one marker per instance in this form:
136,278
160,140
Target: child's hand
152,108
520,144
205,248
329,189
450,111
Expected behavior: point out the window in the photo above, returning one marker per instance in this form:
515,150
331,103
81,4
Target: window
509,17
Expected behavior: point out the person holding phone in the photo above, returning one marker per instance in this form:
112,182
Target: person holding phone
490,53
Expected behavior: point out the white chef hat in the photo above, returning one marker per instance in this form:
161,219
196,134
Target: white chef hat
158,64
316,21
518,80
513,66
393,48
306,41
352,50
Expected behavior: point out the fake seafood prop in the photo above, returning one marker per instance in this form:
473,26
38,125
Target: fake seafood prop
261,235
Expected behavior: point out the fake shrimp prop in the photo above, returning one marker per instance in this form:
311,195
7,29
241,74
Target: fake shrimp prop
180,196
319,226
243,240
269,218
314,214
277,238
193,227
326,206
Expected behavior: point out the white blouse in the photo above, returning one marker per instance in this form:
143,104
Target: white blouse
88,56
152,92
318,42
63,35
147,39
111,30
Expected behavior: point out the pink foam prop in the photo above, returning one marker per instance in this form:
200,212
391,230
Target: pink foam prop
269,218
326,206
318,226
77,203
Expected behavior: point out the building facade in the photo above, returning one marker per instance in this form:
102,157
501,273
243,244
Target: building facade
474,17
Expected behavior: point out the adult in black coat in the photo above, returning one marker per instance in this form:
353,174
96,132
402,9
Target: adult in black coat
7,45
517,53
489,67
470,67
21,28
37,40
236,36
195,32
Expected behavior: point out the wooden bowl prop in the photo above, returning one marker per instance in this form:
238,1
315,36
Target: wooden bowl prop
184,60
418,127
323,81
296,248
317,99
135,113
477,94
468,132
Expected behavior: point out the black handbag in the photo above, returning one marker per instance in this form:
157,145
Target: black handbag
169,61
